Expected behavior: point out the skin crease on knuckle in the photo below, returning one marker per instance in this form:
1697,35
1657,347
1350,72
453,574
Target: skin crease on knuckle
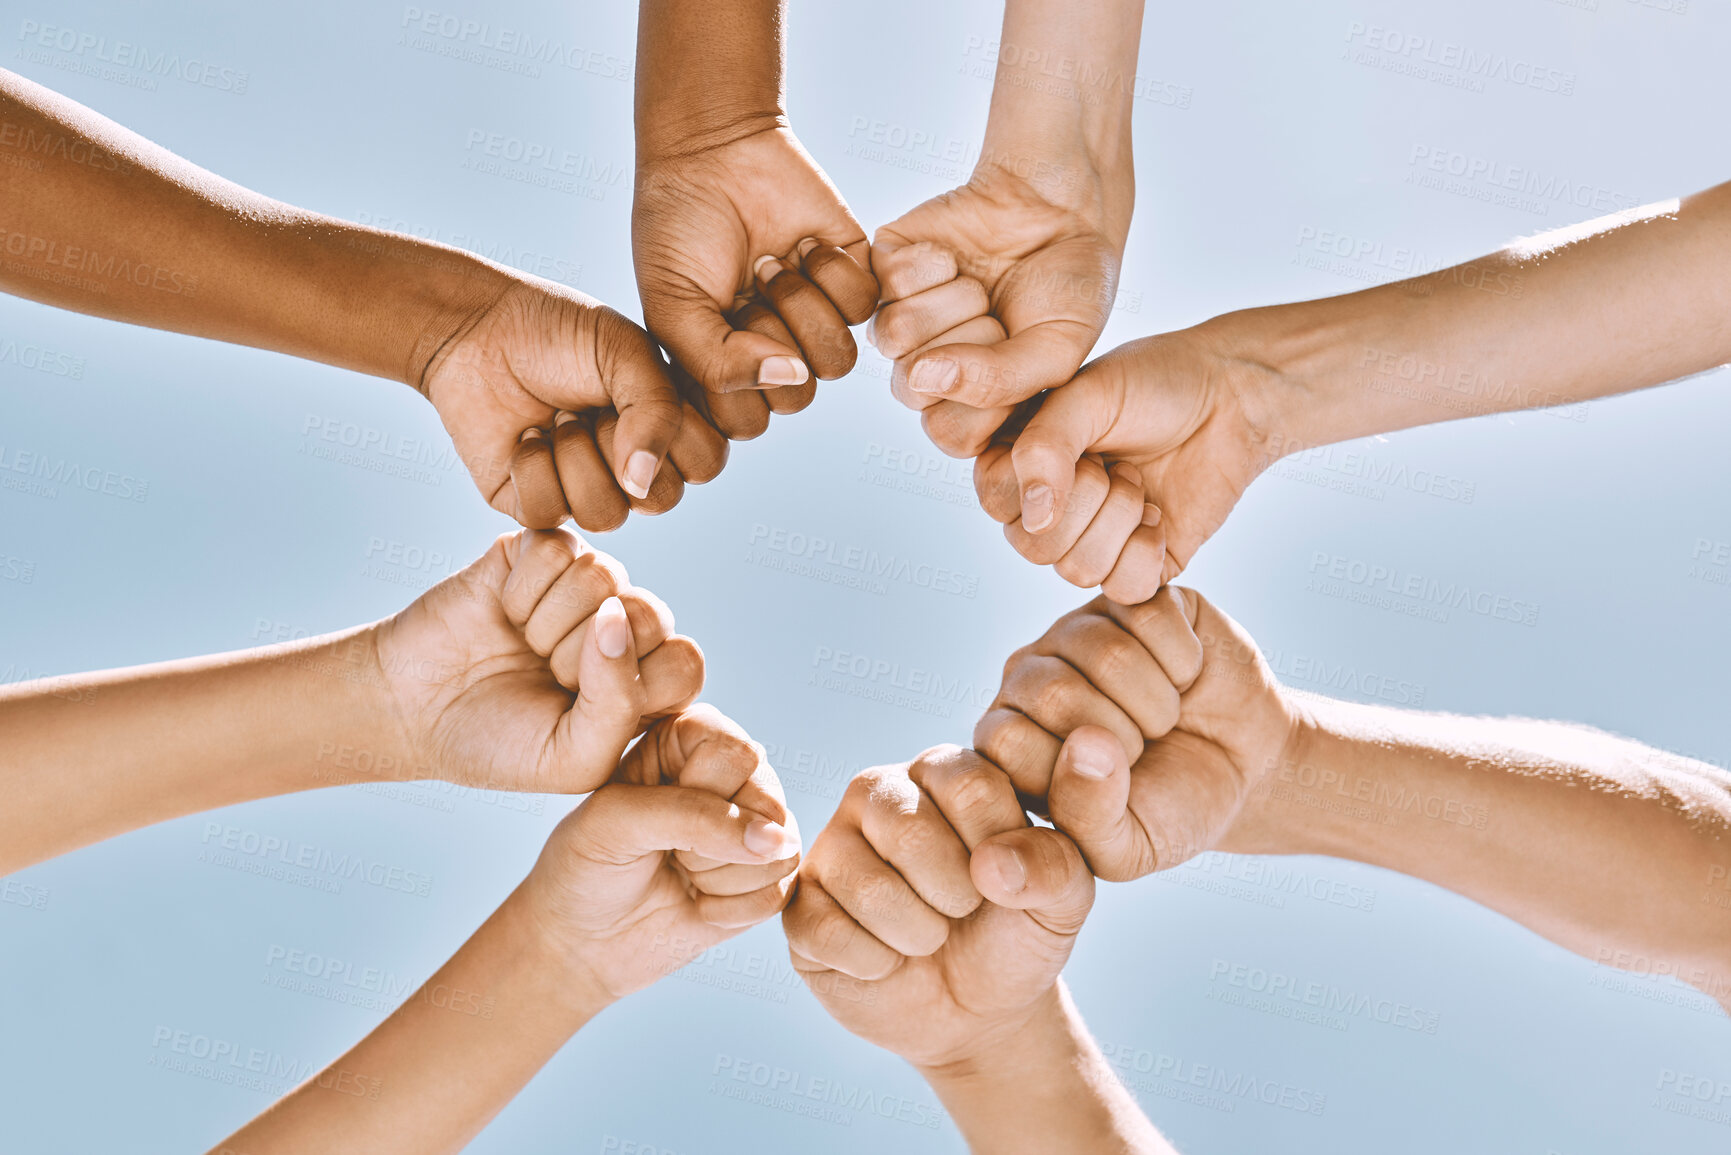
971,793
1017,744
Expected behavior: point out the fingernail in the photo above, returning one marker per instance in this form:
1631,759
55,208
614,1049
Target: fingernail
806,246
932,376
766,269
612,629
639,473
782,371
530,434
1150,514
1012,874
1089,762
563,417
872,330
1036,508
769,839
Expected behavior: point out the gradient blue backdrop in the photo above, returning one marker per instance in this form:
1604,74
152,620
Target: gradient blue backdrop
1275,161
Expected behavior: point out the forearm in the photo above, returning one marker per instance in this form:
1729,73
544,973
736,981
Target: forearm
1046,1091
708,72
1062,99
103,221
443,1064
1607,847
89,756
1601,308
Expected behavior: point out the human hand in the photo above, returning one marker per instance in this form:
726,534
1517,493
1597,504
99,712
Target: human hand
751,269
1142,731
562,407
532,669
690,843
950,913
1189,415
995,291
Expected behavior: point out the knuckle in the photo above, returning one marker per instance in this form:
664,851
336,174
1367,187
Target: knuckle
974,791
952,430
831,933
1188,662
1052,698
914,839
1166,712
895,328
1128,585
1013,741
1037,548
1115,655
1079,572
928,936
874,896
552,547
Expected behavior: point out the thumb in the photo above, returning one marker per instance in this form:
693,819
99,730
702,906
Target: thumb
1069,422
1089,800
1041,356
722,359
610,696
1038,871
622,823
649,408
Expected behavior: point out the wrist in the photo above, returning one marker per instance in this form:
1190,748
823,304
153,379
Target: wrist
677,134
707,74
1339,367
1011,1050
556,979
444,308
1275,818
1277,370
1062,95
353,730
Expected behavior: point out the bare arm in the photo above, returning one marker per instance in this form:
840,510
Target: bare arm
90,756
1612,849
1048,1089
1178,739
101,220
452,688
1619,303
609,907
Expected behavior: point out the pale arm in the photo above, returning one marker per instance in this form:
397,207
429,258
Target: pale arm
89,756
1615,850
1621,303
433,1074
1049,1091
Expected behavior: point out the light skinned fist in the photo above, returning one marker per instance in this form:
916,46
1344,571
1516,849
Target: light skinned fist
688,844
931,918
995,291
532,669
1188,415
1141,731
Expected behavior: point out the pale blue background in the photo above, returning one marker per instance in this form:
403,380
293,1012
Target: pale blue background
1284,137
